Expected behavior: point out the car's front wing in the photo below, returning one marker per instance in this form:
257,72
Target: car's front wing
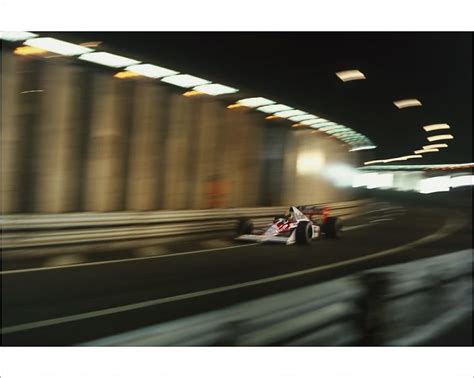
267,238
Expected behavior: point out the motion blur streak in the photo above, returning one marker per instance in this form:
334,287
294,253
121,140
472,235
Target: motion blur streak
464,180
435,184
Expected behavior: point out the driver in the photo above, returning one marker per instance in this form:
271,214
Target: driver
290,216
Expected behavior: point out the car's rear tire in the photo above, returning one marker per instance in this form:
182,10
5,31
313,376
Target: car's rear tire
333,228
304,233
244,226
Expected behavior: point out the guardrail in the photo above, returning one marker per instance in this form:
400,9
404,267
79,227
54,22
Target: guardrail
421,299
406,304
32,230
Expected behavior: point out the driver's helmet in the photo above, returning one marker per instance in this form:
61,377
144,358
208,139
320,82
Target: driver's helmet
290,216
278,220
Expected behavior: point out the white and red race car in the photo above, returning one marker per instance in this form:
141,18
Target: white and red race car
299,226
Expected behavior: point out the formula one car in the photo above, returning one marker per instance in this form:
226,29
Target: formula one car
300,225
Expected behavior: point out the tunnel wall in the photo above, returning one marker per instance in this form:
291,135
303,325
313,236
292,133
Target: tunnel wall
76,139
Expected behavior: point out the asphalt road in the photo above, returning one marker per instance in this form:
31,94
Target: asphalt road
67,305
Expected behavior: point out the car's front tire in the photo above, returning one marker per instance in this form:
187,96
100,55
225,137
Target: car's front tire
304,233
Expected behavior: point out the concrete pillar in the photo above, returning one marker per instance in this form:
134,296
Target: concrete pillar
272,158
207,151
10,135
234,158
104,181
177,152
145,152
57,150
251,168
289,168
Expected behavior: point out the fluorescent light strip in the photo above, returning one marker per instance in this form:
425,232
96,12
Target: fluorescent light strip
337,134
302,117
57,46
254,102
438,126
274,108
326,125
412,157
107,59
440,145
320,125
215,89
439,137
350,75
185,80
151,71
321,120
421,166
426,150
374,162
333,128
407,103
14,36
342,134
290,113
395,159
314,121
362,148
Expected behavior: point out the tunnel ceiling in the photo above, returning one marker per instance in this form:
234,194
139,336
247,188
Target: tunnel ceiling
299,69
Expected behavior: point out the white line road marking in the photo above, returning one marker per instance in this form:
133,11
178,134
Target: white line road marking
448,228
5,272
351,228
381,220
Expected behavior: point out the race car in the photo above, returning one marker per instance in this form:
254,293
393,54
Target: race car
300,225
